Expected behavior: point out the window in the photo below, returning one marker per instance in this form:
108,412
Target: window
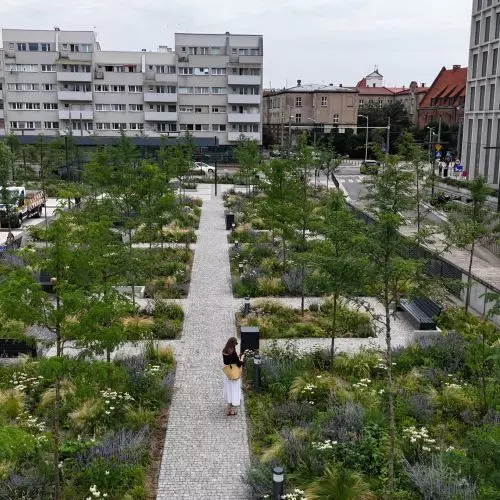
497,25
51,125
74,47
201,90
234,51
324,101
479,4
218,128
33,47
487,26
48,68
86,47
494,62
117,88
136,126
201,127
25,87
484,64
298,118
118,126
335,118
103,126
166,127
32,106
474,66
477,32
201,71
16,105
135,89
216,51
185,109
218,71
45,47
186,126
298,102
21,47
101,88
119,69
50,105
185,90
492,96
48,87
472,98
218,109
204,51
185,71
219,90
26,125
482,90
102,107
77,87
135,107
243,52
24,68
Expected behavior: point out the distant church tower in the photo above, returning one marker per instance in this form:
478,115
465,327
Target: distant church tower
374,79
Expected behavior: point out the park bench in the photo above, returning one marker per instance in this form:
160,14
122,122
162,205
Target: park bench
11,348
421,311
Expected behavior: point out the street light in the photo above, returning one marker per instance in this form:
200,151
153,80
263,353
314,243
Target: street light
431,159
366,142
314,141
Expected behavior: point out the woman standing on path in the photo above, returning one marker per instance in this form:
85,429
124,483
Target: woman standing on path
232,388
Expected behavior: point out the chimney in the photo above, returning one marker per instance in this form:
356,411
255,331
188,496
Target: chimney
143,50
456,66
299,82
423,84
331,84
340,85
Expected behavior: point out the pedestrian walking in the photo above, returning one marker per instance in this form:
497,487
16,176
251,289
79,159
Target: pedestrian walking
232,375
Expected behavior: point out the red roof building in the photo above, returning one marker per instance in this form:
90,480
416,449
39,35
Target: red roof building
445,98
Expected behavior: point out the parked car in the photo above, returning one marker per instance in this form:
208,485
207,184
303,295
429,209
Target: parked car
369,167
204,167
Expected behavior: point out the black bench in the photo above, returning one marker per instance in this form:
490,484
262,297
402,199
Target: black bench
422,311
11,348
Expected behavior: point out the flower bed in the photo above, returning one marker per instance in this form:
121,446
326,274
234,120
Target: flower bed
110,417
163,321
165,272
328,425
276,321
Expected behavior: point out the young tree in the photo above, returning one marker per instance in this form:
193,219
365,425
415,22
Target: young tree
248,156
340,257
8,199
469,223
390,193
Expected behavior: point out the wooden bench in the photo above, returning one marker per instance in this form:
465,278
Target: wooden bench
11,348
422,311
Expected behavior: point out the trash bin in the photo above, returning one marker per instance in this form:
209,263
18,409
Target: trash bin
229,221
249,338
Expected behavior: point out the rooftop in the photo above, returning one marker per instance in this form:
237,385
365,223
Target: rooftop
448,83
311,87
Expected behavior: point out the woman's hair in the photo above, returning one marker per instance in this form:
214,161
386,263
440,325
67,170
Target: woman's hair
230,345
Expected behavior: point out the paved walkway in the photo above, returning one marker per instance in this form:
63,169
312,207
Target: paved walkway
206,453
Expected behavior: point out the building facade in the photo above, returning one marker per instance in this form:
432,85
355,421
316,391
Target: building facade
371,90
59,82
308,106
481,133
445,99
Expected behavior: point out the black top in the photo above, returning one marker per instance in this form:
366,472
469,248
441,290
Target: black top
231,359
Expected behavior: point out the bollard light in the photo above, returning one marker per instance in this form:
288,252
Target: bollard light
236,244
53,281
278,482
246,306
233,226
257,360
240,268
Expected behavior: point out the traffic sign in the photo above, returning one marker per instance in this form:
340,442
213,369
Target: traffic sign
459,168
438,155
448,154
439,147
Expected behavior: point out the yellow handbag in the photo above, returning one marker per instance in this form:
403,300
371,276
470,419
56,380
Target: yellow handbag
233,372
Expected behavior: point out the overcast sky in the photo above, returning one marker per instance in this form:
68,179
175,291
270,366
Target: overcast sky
318,41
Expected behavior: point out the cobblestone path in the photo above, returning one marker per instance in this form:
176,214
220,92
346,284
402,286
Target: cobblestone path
206,453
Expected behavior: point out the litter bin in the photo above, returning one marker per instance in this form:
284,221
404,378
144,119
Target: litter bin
229,221
249,338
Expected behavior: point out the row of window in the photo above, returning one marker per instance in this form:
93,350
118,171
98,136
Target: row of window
482,98
486,30
31,106
201,109
29,125
219,51
47,68
298,118
204,71
275,102
484,63
49,47
448,101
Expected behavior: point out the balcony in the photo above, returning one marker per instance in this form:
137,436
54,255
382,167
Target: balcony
68,76
75,114
250,60
158,97
152,116
243,117
243,99
68,95
235,136
244,80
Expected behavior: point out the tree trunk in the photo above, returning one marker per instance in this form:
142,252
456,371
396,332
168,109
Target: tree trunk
132,267
283,241
57,410
392,419
334,326
469,277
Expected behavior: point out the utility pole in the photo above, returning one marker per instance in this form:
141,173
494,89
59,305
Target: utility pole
431,159
388,140
439,132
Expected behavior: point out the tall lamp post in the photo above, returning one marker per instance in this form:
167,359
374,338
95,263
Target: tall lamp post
431,159
314,146
366,141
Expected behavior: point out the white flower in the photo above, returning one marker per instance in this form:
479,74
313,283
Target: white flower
106,472
425,448
107,412
60,465
111,407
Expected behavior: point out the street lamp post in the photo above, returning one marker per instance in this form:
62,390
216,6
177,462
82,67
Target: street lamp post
314,146
366,141
431,159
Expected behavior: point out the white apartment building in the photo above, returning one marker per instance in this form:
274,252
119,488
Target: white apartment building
58,82
481,132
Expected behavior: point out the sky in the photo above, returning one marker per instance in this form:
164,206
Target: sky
317,41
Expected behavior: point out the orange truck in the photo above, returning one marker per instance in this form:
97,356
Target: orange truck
17,203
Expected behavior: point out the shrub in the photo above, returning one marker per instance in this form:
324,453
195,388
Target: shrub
270,286
344,422
259,479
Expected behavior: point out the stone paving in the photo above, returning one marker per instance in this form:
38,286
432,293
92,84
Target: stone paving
206,453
